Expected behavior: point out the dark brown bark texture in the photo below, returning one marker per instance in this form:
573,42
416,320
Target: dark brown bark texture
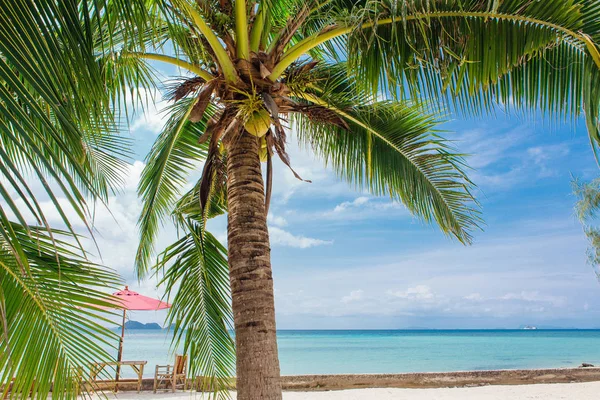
250,274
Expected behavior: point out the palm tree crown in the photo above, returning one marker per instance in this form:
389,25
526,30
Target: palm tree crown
372,69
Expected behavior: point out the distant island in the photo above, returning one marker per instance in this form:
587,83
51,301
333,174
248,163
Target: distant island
141,325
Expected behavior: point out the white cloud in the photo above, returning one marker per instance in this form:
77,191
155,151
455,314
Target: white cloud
507,280
544,157
276,220
502,180
486,148
419,292
535,296
359,201
152,116
353,296
501,161
132,178
364,207
115,226
283,238
473,297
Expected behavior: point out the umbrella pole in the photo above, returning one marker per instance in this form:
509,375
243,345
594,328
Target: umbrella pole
120,353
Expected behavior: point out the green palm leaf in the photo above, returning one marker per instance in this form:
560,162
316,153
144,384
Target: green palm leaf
59,143
51,316
55,119
196,271
469,55
173,156
390,149
431,45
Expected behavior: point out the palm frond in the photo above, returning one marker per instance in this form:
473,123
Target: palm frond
390,148
470,55
55,116
127,78
57,132
197,274
51,315
173,156
190,205
432,44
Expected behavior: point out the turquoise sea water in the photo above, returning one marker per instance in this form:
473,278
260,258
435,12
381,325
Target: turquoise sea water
393,351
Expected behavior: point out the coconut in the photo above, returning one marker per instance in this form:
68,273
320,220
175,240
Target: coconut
258,123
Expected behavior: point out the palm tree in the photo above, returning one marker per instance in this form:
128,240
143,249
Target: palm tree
59,154
363,82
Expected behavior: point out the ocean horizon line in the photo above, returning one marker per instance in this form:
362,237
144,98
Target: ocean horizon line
401,329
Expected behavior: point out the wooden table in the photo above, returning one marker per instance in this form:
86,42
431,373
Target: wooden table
137,366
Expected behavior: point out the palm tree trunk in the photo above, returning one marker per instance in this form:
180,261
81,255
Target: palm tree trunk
250,274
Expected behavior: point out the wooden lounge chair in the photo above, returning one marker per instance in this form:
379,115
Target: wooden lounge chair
171,374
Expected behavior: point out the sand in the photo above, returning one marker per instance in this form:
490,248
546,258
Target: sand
571,391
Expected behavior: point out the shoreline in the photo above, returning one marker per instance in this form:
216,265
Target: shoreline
560,391
425,380
432,380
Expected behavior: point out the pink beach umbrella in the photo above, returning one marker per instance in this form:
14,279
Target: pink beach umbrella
133,301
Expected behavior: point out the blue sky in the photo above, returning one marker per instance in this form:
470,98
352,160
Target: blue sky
344,259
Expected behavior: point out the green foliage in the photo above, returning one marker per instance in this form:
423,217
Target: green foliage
586,209
469,55
50,316
458,46
390,148
58,146
195,269
173,156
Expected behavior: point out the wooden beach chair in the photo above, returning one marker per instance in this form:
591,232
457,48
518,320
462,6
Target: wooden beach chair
174,375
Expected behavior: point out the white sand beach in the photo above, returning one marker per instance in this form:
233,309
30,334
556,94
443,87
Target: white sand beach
571,391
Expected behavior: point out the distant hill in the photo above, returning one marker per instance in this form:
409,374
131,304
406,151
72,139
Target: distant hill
140,325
